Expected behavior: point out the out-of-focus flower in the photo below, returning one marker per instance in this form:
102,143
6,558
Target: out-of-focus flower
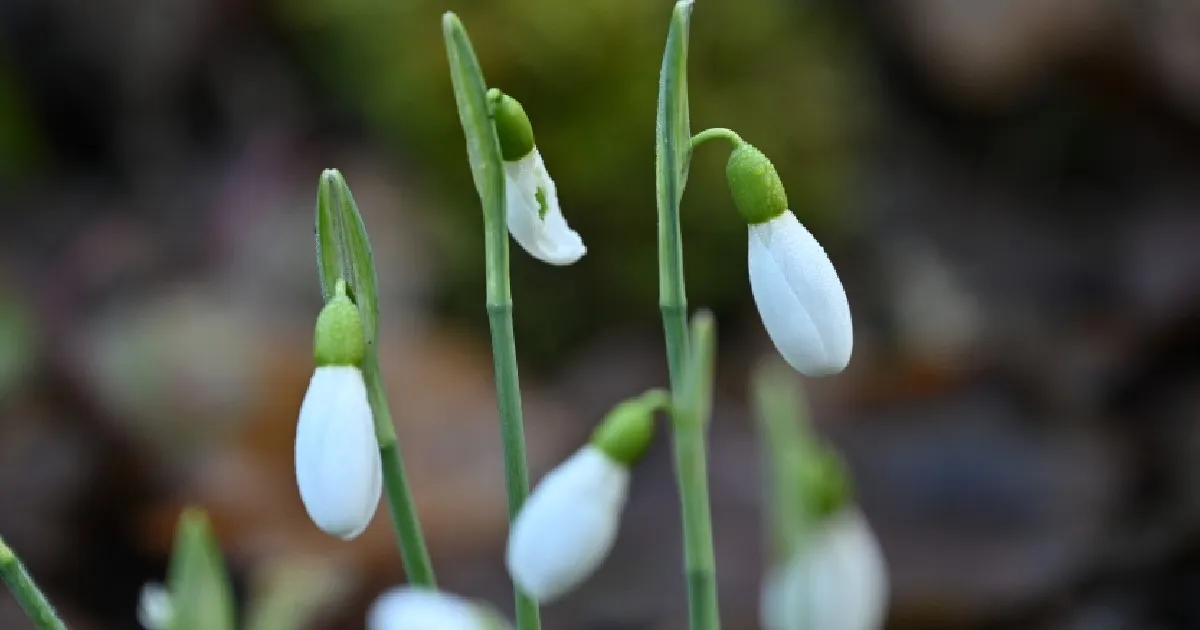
411,608
836,579
154,607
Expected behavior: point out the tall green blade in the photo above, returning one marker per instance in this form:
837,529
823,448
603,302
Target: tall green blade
201,597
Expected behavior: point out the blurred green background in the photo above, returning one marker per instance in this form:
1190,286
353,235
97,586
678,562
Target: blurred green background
1006,186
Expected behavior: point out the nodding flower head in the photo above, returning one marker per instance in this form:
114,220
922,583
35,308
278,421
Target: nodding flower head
798,293
568,525
534,218
836,579
338,468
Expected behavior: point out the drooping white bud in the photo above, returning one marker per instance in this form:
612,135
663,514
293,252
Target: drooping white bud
534,218
568,525
338,467
799,296
835,580
411,608
154,607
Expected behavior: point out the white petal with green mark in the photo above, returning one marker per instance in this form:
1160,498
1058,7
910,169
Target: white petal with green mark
534,218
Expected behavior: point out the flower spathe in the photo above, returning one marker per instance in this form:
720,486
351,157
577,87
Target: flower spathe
835,580
411,608
338,466
568,525
799,296
534,218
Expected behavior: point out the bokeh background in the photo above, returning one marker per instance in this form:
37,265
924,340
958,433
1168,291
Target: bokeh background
1008,187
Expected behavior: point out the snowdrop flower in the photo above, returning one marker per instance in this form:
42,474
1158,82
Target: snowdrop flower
410,608
338,467
534,218
835,580
799,296
569,524
154,607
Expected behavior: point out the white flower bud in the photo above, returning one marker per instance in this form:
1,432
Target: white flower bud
338,468
411,608
836,580
534,218
799,297
568,525
154,607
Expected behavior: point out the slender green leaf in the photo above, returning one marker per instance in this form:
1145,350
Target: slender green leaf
470,95
201,597
695,398
343,250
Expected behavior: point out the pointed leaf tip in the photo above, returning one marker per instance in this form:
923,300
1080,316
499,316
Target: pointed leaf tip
199,585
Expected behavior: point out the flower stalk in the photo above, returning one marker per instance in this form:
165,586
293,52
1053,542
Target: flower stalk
28,595
487,168
343,252
672,155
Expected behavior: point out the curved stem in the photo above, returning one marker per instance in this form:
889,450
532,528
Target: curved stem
27,593
715,132
415,556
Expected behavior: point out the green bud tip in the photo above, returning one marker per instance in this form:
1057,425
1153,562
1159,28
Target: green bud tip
6,553
824,483
626,432
339,338
757,190
512,125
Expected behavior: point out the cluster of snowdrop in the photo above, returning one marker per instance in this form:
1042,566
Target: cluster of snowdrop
570,522
831,577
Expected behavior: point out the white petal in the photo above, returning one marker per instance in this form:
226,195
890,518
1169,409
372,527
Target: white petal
548,239
836,581
337,457
410,608
568,525
799,297
154,607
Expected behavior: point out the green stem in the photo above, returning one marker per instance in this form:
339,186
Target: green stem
691,450
715,132
692,405
27,593
487,168
415,556
508,390
512,436
691,471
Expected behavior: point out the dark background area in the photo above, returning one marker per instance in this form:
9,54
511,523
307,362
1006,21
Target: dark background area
1008,188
